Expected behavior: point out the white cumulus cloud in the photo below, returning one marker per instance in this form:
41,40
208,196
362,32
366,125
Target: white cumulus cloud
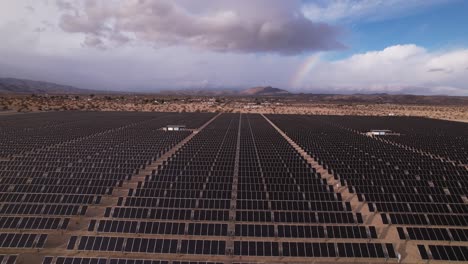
395,69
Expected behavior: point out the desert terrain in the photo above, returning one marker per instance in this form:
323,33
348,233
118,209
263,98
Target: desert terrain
457,111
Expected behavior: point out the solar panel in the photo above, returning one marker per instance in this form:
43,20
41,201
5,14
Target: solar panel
238,188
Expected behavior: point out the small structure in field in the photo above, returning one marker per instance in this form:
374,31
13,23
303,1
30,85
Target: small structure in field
174,127
380,132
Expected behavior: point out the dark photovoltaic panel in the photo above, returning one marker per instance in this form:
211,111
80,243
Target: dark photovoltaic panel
452,253
12,240
410,177
73,260
116,184
78,260
8,259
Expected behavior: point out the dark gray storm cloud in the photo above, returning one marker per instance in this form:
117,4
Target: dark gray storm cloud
271,26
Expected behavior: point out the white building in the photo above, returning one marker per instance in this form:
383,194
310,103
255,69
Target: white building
379,132
174,127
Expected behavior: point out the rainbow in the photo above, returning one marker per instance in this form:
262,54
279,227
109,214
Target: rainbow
303,70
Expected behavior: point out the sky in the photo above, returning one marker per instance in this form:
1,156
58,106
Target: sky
313,46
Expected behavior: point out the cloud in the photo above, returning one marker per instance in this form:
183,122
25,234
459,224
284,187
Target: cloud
64,5
271,26
157,52
30,8
436,70
443,70
39,29
94,41
395,69
141,68
364,10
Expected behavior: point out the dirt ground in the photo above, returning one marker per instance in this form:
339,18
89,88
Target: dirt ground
34,103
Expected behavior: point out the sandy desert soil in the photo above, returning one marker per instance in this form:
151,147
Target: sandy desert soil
15,104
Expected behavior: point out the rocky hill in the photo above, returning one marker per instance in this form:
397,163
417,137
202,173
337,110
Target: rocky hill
263,91
21,86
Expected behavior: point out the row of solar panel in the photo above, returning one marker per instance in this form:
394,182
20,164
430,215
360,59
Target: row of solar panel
144,245
293,205
397,190
409,181
49,198
307,188
191,186
241,204
207,194
389,165
73,169
223,215
10,240
176,177
176,183
60,189
226,172
425,219
410,198
440,252
169,214
419,208
202,229
68,161
16,222
289,196
295,231
440,234
316,194
277,177
374,176
76,182
79,260
241,248
159,188
317,217
81,175
175,203
295,249
158,228
8,259
42,209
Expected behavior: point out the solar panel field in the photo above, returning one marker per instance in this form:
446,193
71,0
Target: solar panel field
115,188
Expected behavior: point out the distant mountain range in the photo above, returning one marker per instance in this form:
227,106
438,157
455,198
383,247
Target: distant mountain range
21,86
254,91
